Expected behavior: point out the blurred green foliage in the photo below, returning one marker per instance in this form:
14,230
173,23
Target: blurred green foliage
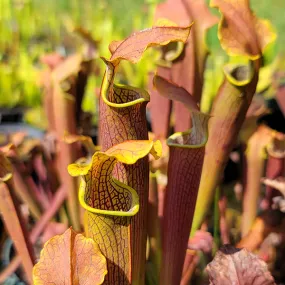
31,28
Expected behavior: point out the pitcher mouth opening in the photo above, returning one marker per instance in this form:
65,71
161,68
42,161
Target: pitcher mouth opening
125,96
119,95
131,211
239,75
196,137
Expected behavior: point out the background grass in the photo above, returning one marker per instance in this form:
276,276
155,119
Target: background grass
30,28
